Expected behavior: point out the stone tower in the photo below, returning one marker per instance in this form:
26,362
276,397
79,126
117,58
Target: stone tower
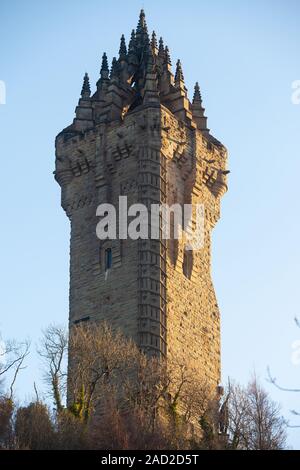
139,135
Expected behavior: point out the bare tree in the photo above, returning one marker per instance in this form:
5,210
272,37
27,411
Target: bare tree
108,372
114,389
53,349
98,356
6,423
118,397
12,357
169,400
33,427
255,422
141,402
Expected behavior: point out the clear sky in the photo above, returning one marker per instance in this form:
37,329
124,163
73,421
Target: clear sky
245,55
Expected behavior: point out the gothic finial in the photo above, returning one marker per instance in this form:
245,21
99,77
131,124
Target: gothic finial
123,49
198,110
86,89
142,18
142,25
142,37
114,68
167,56
197,95
131,45
84,111
179,74
161,48
154,41
104,67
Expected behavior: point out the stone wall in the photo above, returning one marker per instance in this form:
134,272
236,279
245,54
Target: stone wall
151,157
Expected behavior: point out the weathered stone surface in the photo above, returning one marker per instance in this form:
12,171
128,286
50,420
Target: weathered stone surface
137,136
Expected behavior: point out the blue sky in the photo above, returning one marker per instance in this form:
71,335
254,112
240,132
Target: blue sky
245,55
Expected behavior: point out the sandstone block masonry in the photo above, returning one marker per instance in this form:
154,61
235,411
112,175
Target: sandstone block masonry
139,135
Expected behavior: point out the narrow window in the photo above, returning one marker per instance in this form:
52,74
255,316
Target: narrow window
76,322
188,263
108,259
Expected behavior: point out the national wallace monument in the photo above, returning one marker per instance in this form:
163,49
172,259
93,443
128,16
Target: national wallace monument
138,135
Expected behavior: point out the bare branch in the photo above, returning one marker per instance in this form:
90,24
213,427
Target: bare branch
36,392
13,355
273,381
53,349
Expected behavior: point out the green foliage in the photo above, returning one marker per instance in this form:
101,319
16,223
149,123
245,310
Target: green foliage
208,432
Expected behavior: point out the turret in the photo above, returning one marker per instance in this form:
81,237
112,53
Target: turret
198,110
179,103
104,74
84,110
179,78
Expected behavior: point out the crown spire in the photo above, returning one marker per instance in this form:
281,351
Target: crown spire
123,49
142,37
86,89
142,25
